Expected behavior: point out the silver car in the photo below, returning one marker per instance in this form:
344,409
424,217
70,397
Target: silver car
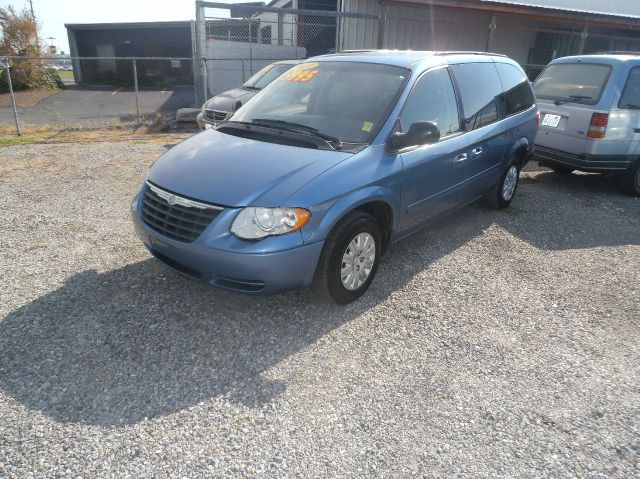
590,116
217,108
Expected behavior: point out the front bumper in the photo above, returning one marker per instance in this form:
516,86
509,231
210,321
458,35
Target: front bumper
203,123
584,162
267,272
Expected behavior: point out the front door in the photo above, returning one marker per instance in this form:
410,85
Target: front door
433,175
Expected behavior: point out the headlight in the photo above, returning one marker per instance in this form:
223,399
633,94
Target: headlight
256,223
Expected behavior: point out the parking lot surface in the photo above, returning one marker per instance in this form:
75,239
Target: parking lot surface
84,107
492,344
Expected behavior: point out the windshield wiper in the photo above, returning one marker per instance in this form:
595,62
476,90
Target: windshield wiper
251,87
335,142
572,98
630,105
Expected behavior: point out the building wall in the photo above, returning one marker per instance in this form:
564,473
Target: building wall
431,28
162,41
230,64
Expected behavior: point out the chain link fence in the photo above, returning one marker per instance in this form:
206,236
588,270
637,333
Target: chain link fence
231,42
83,92
241,39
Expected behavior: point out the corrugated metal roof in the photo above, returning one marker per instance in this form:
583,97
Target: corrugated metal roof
618,8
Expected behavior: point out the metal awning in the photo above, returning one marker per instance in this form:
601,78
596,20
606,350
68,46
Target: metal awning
617,8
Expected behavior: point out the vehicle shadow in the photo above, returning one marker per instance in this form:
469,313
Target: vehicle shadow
141,341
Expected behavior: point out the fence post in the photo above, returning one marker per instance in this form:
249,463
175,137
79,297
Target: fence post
200,52
337,40
135,87
205,80
13,98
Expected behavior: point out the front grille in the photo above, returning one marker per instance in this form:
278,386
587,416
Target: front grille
215,116
177,221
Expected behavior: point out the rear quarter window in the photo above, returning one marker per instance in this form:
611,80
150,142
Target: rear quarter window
585,81
630,98
518,95
479,86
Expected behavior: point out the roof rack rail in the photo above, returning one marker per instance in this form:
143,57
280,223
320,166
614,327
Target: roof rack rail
470,53
364,50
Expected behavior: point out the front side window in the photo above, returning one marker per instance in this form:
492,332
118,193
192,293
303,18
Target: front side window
480,86
432,99
518,95
631,95
346,100
572,82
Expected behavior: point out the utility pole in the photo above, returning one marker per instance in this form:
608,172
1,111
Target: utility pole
33,15
35,24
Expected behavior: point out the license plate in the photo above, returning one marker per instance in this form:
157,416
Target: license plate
551,120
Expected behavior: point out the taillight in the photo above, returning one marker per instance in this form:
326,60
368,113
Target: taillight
538,119
598,126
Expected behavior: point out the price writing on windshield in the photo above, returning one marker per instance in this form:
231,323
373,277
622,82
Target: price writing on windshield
299,75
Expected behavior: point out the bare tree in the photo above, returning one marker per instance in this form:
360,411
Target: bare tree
19,33
19,38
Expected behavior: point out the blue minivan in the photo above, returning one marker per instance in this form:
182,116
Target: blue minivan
318,174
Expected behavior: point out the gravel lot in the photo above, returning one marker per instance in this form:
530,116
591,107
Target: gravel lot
493,344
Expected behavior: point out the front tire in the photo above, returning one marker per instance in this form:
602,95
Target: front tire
503,192
349,260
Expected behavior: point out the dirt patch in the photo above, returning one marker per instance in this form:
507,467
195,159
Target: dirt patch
27,98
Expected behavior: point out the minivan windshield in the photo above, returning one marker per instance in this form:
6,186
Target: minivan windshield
572,82
266,76
340,101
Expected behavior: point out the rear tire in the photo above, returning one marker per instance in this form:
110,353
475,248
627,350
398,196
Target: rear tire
631,180
354,246
503,192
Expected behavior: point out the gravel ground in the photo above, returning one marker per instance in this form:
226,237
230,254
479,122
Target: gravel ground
493,344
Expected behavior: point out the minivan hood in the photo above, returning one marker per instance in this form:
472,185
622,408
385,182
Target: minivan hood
226,101
231,171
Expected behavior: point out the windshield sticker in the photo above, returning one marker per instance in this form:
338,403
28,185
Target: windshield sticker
305,66
299,75
367,126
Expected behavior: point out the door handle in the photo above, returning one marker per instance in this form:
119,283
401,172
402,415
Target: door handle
460,159
476,151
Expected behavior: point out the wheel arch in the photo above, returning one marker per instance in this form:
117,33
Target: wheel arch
379,202
519,150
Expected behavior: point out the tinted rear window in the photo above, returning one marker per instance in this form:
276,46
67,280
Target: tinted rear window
518,95
479,85
566,80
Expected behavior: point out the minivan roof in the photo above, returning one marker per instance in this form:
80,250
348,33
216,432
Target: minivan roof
606,58
405,58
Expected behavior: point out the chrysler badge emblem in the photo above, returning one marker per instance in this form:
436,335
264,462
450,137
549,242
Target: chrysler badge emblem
171,199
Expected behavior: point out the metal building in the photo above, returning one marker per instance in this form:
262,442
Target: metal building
533,32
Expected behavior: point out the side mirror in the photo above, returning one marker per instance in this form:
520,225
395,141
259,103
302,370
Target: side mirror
420,133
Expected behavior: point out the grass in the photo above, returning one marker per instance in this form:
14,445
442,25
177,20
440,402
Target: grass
45,134
65,75
20,140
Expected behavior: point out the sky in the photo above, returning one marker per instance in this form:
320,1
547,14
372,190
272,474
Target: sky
53,14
